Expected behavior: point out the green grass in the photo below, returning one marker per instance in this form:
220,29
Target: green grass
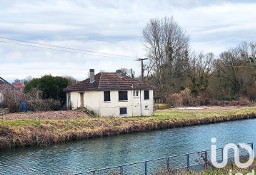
161,106
27,132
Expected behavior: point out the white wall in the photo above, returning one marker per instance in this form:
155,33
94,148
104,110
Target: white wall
1,97
74,100
91,100
94,100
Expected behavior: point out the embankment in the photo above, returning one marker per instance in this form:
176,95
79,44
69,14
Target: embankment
23,133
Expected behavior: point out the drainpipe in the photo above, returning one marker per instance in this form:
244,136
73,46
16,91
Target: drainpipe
133,106
140,104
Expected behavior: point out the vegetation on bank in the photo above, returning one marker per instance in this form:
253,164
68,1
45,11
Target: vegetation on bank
20,133
228,170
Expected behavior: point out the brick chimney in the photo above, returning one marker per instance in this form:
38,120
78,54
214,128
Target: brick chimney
119,73
92,75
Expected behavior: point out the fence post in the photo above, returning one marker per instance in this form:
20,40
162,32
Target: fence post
168,164
146,167
121,170
221,154
188,162
206,159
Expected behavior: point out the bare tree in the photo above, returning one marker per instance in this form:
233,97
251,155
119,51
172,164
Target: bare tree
167,46
236,68
128,72
200,70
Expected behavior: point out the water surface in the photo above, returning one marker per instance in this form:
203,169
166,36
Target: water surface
80,156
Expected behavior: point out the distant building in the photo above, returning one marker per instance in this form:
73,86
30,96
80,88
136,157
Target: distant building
112,94
3,86
19,86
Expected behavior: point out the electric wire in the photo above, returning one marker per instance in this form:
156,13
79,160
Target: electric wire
61,48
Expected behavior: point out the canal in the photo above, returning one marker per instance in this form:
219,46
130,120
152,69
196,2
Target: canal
79,156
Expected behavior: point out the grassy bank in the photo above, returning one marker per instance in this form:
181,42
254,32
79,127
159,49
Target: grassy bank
20,133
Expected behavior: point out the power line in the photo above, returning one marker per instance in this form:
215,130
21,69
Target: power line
61,48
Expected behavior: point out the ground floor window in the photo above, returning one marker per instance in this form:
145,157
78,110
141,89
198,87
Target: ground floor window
122,95
123,110
146,95
107,96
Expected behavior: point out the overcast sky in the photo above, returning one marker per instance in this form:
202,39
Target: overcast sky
110,26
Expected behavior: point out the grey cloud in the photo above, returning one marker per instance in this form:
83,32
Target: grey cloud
112,26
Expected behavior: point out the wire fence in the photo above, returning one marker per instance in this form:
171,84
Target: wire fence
195,161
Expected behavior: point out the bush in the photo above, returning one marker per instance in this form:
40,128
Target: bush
175,99
11,100
180,99
44,105
244,101
186,97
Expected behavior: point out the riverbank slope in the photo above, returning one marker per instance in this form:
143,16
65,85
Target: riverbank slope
24,131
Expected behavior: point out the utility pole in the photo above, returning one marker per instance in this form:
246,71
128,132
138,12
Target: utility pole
142,67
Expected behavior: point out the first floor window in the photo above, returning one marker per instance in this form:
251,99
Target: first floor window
123,110
146,95
107,96
122,95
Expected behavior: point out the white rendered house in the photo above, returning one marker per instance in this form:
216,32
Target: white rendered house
112,94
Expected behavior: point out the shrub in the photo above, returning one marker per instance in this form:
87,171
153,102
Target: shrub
175,99
11,100
186,97
44,105
244,101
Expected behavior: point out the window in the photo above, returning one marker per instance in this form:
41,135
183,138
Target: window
107,96
135,93
122,95
146,95
123,110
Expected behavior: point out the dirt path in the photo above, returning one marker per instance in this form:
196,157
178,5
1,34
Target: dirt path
208,108
50,115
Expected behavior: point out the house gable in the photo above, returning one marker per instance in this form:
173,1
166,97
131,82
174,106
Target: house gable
5,84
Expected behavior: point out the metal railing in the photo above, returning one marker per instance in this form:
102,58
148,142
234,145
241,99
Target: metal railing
194,161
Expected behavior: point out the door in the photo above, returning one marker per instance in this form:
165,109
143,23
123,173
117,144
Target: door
81,99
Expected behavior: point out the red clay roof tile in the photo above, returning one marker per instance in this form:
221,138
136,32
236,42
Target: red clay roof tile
110,81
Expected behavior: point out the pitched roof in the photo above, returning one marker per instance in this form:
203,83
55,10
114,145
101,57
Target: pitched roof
3,81
110,81
4,84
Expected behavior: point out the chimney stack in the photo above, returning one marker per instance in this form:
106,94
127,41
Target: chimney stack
119,73
91,75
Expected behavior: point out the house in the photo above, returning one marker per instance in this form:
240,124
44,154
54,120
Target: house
3,86
112,94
